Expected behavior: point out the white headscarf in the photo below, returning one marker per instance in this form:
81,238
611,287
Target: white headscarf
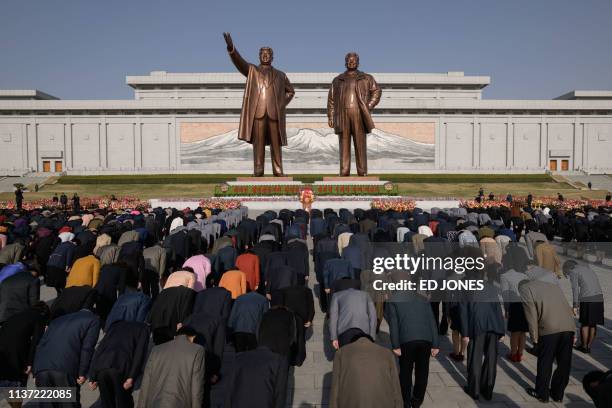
66,236
177,222
425,230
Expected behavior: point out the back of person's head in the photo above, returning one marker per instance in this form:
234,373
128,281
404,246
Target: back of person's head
130,278
515,258
43,310
187,269
569,266
358,335
591,380
186,330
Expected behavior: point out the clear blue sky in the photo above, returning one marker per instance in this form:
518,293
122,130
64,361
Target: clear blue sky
82,49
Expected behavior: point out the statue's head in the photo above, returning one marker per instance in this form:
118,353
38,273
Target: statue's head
266,55
351,61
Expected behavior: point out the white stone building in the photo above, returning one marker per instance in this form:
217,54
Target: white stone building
186,123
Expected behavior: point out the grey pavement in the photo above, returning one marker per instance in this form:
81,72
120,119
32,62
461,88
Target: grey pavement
598,181
309,384
7,183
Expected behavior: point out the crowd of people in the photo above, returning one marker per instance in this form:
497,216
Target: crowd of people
153,299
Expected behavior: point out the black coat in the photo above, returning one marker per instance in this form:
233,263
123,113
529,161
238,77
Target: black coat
259,379
19,337
297,298
131,254
215,301
280,277
68,344
172,306
111,281
298,257
124,348
18,293
282,331
73,299
211,336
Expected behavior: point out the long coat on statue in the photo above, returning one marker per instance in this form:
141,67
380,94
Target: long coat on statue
283,92
368,96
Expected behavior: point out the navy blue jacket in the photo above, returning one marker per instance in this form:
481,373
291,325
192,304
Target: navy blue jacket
68,344
131,307
247,312
482,314
335,269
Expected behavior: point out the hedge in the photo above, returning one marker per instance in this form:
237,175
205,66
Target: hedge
305,178
319,190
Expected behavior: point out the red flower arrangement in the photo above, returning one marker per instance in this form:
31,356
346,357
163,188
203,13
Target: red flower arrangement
396,204
85,202
220,203
306,197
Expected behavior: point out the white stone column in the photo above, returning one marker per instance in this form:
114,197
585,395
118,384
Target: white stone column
68,142
103,137
476,136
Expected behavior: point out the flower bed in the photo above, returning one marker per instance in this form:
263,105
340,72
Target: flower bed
396,204
226,190
88,203
220,203
537,202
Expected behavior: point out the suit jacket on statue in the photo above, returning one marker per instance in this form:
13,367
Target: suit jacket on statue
283,93
368,94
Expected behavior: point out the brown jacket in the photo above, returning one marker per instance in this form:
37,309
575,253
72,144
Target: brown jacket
364,376
368,93
546,309
283,92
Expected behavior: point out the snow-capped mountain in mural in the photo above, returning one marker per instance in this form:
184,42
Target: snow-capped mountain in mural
308,147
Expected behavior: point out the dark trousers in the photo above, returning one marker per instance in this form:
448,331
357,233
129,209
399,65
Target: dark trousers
352,128
323,301
54,378
554,347
244,341
112,393
482,364
415,357
266,130
150,283
441,323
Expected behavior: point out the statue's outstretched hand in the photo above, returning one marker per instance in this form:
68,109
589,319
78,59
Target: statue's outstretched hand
228,41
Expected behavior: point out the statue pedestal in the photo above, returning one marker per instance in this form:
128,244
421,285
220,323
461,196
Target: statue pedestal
351,178
286,186
264,179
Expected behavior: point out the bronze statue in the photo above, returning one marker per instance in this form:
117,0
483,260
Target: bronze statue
262,120
352,96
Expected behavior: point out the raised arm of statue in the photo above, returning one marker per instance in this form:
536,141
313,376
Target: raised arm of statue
239,62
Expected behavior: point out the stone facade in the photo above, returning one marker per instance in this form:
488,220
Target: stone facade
426,123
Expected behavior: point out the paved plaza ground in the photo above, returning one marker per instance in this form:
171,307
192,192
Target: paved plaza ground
309,384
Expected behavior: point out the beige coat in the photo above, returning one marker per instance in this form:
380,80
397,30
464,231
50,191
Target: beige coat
365,376
546,309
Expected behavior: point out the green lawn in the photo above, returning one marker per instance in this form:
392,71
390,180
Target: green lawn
415,185
306,178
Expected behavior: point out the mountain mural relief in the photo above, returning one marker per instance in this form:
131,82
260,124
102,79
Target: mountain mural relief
308,150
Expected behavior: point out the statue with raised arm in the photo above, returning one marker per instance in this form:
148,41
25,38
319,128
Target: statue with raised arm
351,99
262,120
